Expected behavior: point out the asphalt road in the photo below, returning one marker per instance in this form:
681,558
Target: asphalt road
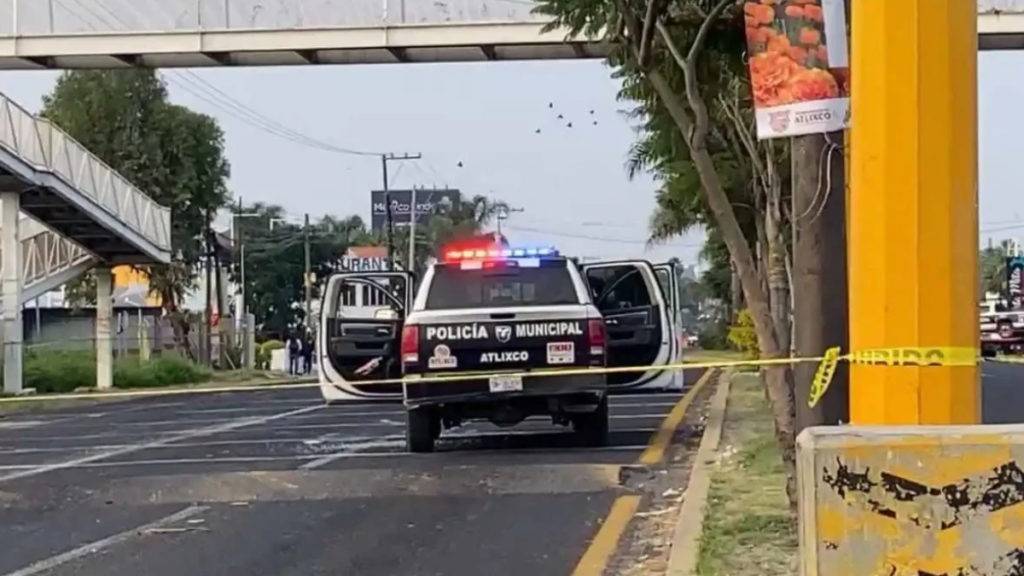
1002,388
278,483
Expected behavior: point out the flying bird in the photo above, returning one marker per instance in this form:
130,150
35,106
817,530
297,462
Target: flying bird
591,112
460,164
551,104
561,117
537,131
569,125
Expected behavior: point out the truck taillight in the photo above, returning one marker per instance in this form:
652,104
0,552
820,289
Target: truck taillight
410,345
597,337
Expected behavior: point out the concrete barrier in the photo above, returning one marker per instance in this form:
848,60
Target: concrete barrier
912,501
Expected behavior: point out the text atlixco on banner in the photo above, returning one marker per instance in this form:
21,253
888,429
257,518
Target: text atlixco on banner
799,66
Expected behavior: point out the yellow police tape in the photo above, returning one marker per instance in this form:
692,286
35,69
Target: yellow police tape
829,362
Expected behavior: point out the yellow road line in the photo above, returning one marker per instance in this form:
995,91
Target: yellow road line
600,551
662,439
595,559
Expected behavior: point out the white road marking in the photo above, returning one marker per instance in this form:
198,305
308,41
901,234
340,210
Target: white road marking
22,424
394,412
240,442
178,437
99,545
229,410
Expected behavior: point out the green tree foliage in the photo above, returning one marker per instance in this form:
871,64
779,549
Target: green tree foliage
173,154
452,222
275,261
992,265
682,63
742,336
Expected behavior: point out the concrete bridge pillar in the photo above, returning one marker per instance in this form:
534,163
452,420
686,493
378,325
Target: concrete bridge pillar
104,316
10,279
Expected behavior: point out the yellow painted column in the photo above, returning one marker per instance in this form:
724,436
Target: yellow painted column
914,206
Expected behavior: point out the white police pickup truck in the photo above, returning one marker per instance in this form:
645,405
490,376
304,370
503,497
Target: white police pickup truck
500,313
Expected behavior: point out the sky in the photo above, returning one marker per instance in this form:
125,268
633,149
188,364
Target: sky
570,182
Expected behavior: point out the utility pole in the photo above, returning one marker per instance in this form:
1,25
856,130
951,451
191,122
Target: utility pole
384,159
820,295
208,315
412,233
307,277
914,209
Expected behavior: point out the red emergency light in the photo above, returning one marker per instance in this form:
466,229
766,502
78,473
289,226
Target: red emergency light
461,254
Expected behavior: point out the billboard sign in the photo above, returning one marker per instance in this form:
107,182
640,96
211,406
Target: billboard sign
428,204
799,66
1015,282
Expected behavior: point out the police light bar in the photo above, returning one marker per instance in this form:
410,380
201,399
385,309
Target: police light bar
498,254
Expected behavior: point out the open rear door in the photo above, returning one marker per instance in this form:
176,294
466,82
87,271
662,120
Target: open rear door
361,329
637,318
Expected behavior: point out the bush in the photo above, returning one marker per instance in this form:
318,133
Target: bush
56,371
742,336
60,371
162,371
713,336
263,353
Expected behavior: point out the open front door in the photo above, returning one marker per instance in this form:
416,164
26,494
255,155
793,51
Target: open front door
668,281
361,330
637,318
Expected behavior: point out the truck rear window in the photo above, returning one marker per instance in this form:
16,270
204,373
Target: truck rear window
453,287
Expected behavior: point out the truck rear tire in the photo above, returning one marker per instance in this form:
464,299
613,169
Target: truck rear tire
592,428
419,430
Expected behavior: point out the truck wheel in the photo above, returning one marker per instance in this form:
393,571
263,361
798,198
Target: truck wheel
592,428
419,430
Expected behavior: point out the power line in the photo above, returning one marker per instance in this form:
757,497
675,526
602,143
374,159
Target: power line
598,238
1003,228
222,100
270,122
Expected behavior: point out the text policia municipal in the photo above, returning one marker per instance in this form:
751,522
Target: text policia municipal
484,331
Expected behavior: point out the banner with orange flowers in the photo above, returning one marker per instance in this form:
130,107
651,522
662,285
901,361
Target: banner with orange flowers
799,66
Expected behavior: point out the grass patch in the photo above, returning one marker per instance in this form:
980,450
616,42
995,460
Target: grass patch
748,528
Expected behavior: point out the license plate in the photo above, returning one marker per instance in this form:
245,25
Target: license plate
506,383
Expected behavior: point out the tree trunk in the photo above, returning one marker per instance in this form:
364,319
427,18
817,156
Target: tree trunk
779,393
735,292
819,274
778,279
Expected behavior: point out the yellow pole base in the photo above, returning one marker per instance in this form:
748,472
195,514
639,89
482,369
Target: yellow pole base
914,206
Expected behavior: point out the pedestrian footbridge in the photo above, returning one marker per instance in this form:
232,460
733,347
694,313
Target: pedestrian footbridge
36,34
41,34
49,260
62,212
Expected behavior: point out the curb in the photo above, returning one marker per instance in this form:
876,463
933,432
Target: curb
690,523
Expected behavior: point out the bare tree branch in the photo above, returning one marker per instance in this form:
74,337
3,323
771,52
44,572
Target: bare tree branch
701,120
654,8
705,28
631,28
